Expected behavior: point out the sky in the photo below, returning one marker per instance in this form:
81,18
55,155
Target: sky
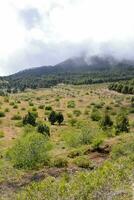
45,32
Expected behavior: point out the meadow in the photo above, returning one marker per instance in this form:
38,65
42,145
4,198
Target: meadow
89,154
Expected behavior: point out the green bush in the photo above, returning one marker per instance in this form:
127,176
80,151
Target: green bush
59,118
97,142
85,136
16,117
95,115
60,162
72,121
29,119
1,134
7,110
74,153
31,104
15,106
35,113
122,123
52,117
12,103
106,121
77,113
48,108
98,105
41,107
34,109
30,151
23,109
71,104
2,114
44,129
83,162
124,148
72,138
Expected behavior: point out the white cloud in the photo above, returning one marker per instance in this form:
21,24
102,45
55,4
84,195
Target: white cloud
61,24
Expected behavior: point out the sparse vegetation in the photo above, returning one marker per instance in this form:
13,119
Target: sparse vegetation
89,156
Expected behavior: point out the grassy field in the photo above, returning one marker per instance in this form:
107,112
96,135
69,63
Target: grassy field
82,159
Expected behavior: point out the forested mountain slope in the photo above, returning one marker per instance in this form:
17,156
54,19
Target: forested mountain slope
72,71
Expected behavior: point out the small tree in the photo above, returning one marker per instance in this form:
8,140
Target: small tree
106,121
44,129
59,118
122,123
52,117
30,118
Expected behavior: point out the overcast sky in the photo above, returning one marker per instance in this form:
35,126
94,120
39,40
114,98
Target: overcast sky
45,32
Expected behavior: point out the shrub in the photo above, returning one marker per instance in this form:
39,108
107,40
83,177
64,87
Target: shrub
131,110
108,107
60,162
72,121
49,108
71,104
34,109
95,115
124,148
30,152
16,117
74,153
29,119
85,136
97,142
122,123
15,106
41,107
7,110
2,114
1,134
44,129
83,162
98,105
19,124
35,113
52,117
6,99
77,113
59,118
12,103
31,104
69,115
106,121
2,93
72,139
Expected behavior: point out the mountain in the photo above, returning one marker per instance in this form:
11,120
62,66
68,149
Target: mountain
75,65
76,70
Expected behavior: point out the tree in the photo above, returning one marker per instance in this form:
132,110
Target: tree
44,129
122,123
30,118
106,121
52,117
59,118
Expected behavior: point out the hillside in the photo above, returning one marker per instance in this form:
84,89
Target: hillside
89,155
72,71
